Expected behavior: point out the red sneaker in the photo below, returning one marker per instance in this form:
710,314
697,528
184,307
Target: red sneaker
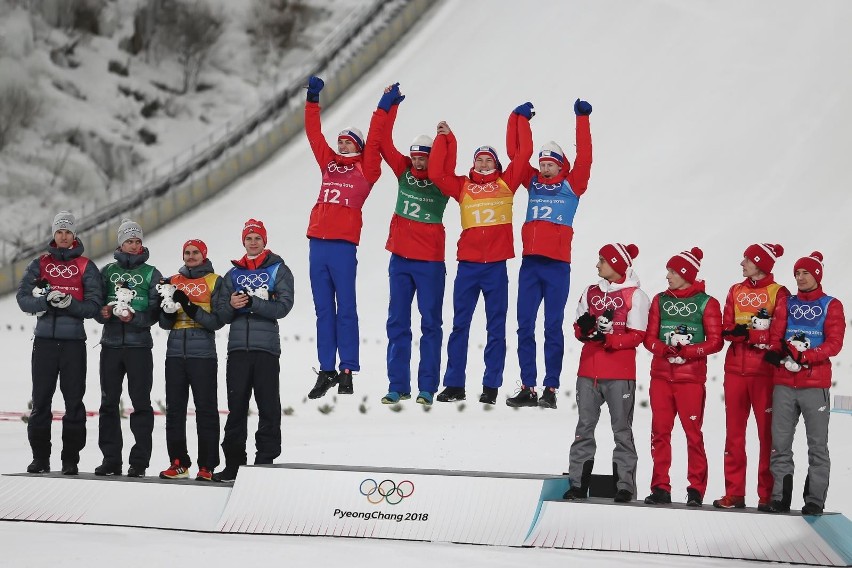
204,474
175,471
730,502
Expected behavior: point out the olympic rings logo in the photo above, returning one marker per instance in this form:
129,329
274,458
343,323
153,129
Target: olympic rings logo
752,299
414,181
680,308
805,312
253,280
130,279
192,289
538,186
607,302
387,491
62,270
336,168
490,187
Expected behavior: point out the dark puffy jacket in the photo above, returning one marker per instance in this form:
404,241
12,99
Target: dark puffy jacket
64,323
256,329
136,332
197,342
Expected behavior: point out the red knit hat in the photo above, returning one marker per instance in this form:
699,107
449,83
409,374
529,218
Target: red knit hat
618,256
764,255
254,226
812,263
687,263
197,243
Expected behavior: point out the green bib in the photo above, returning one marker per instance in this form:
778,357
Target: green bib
419,200
683,311
139,279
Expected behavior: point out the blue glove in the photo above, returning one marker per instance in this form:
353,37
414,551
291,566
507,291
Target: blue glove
582,108
390,98
315,85
526,110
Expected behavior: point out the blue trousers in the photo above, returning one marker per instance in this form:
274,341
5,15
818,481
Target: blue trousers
492,280
427,280
333,266
542,278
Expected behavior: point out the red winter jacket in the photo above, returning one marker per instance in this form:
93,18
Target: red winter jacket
543,237
408,238
615,358
333,220
743,357
481,244
694,370
817,373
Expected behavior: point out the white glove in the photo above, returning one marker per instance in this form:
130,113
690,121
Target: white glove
58,299
262,293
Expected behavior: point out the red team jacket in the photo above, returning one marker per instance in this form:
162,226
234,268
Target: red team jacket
334,220
407,238
694,370
482,244
817,373
747,297
544,238
615,358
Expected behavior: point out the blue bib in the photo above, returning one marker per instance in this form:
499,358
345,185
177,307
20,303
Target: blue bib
807,318
249,280
555,203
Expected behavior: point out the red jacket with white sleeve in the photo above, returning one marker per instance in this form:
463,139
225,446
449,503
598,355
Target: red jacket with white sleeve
615,357
335,216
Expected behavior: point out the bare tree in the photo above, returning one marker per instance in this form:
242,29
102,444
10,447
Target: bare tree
191,34
18,109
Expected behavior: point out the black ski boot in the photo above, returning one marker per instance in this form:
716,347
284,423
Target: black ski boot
325,380
525,397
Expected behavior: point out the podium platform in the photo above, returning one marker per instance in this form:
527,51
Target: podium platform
469,507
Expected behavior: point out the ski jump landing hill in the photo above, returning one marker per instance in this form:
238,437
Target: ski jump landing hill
498,509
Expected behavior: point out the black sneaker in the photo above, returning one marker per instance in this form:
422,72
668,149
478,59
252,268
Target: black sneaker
658,496
108,469
777,506
811,508
135,471
575,493
547,398
451,394
227,475
526,397
693,498
39,466
344,382
325,380
69,468
488,396
623,496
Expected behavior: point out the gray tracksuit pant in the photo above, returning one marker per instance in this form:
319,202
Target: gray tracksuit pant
813,404
619,396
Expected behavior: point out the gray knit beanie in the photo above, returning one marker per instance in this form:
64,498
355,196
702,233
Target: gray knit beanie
128,230
64,220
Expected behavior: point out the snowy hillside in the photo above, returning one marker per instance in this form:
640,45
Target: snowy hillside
715,124
88,109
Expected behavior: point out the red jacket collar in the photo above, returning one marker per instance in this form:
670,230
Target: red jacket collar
696,288
252,263
815,294
477,177
762,283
